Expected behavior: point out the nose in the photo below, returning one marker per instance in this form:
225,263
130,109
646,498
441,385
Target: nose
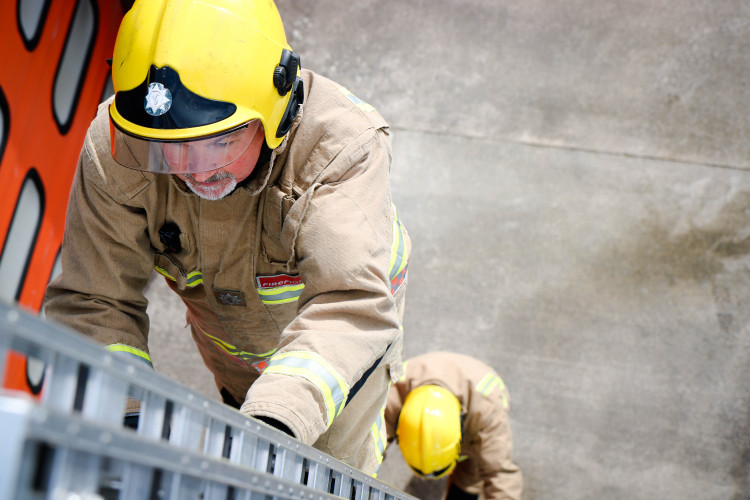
202,176
201,157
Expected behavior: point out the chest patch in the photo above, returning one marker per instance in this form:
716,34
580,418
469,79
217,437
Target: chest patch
230,297
279,288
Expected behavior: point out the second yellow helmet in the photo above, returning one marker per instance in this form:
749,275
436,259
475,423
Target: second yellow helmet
429,431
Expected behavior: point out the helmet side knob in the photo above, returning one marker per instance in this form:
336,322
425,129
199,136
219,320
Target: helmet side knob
285,73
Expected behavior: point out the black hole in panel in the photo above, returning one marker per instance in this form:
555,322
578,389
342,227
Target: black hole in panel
43,468
166,428
20,240
227,448
4,123
156,493
73,65
81,382
305,471
31,16
271,465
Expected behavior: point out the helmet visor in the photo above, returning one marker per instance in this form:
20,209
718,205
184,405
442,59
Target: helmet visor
182,156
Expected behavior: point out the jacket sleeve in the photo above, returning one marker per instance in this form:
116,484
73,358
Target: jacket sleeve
106,263
502,479
341,232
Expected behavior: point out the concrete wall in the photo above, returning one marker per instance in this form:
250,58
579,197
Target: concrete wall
574,177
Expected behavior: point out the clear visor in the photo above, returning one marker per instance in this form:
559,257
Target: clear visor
182,156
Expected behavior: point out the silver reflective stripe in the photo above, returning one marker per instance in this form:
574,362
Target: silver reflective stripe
379,435
280,295
399,256
332,386
488,383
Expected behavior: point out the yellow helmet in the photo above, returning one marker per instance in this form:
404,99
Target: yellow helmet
187,69
429,431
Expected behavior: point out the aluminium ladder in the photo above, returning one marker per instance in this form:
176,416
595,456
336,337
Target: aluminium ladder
70,444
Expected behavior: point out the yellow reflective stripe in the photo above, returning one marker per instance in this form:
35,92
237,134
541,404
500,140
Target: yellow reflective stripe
281,301
485,380
403,375
164,273
378,434
488,383
356,100
398,248
232,350
332,386
193,278
140,355
399,254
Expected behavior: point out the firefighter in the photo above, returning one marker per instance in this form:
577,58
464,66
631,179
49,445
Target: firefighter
271,220
449,415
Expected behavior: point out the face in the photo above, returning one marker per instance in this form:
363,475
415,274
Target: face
214,184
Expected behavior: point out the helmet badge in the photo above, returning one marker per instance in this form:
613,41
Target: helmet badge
158,100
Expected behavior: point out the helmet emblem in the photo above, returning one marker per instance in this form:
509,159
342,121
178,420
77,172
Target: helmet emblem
159,99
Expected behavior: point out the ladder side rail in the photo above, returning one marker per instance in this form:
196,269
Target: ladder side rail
183,473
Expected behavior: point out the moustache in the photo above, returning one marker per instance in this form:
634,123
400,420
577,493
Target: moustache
214,178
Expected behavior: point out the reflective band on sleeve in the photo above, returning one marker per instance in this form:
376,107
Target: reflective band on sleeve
194,278
332,386
488,383
356,100
403,375
132,351
378,434
399,255
280,295
231,349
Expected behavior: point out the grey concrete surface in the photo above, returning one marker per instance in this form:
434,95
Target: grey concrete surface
575,180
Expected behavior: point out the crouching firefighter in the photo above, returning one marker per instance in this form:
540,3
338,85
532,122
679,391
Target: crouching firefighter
449,415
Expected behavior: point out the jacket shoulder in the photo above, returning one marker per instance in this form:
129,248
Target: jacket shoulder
120,182
333,123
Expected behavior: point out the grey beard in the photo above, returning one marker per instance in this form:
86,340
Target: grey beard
212,196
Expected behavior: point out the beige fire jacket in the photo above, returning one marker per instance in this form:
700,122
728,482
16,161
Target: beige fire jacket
485,463
294,283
